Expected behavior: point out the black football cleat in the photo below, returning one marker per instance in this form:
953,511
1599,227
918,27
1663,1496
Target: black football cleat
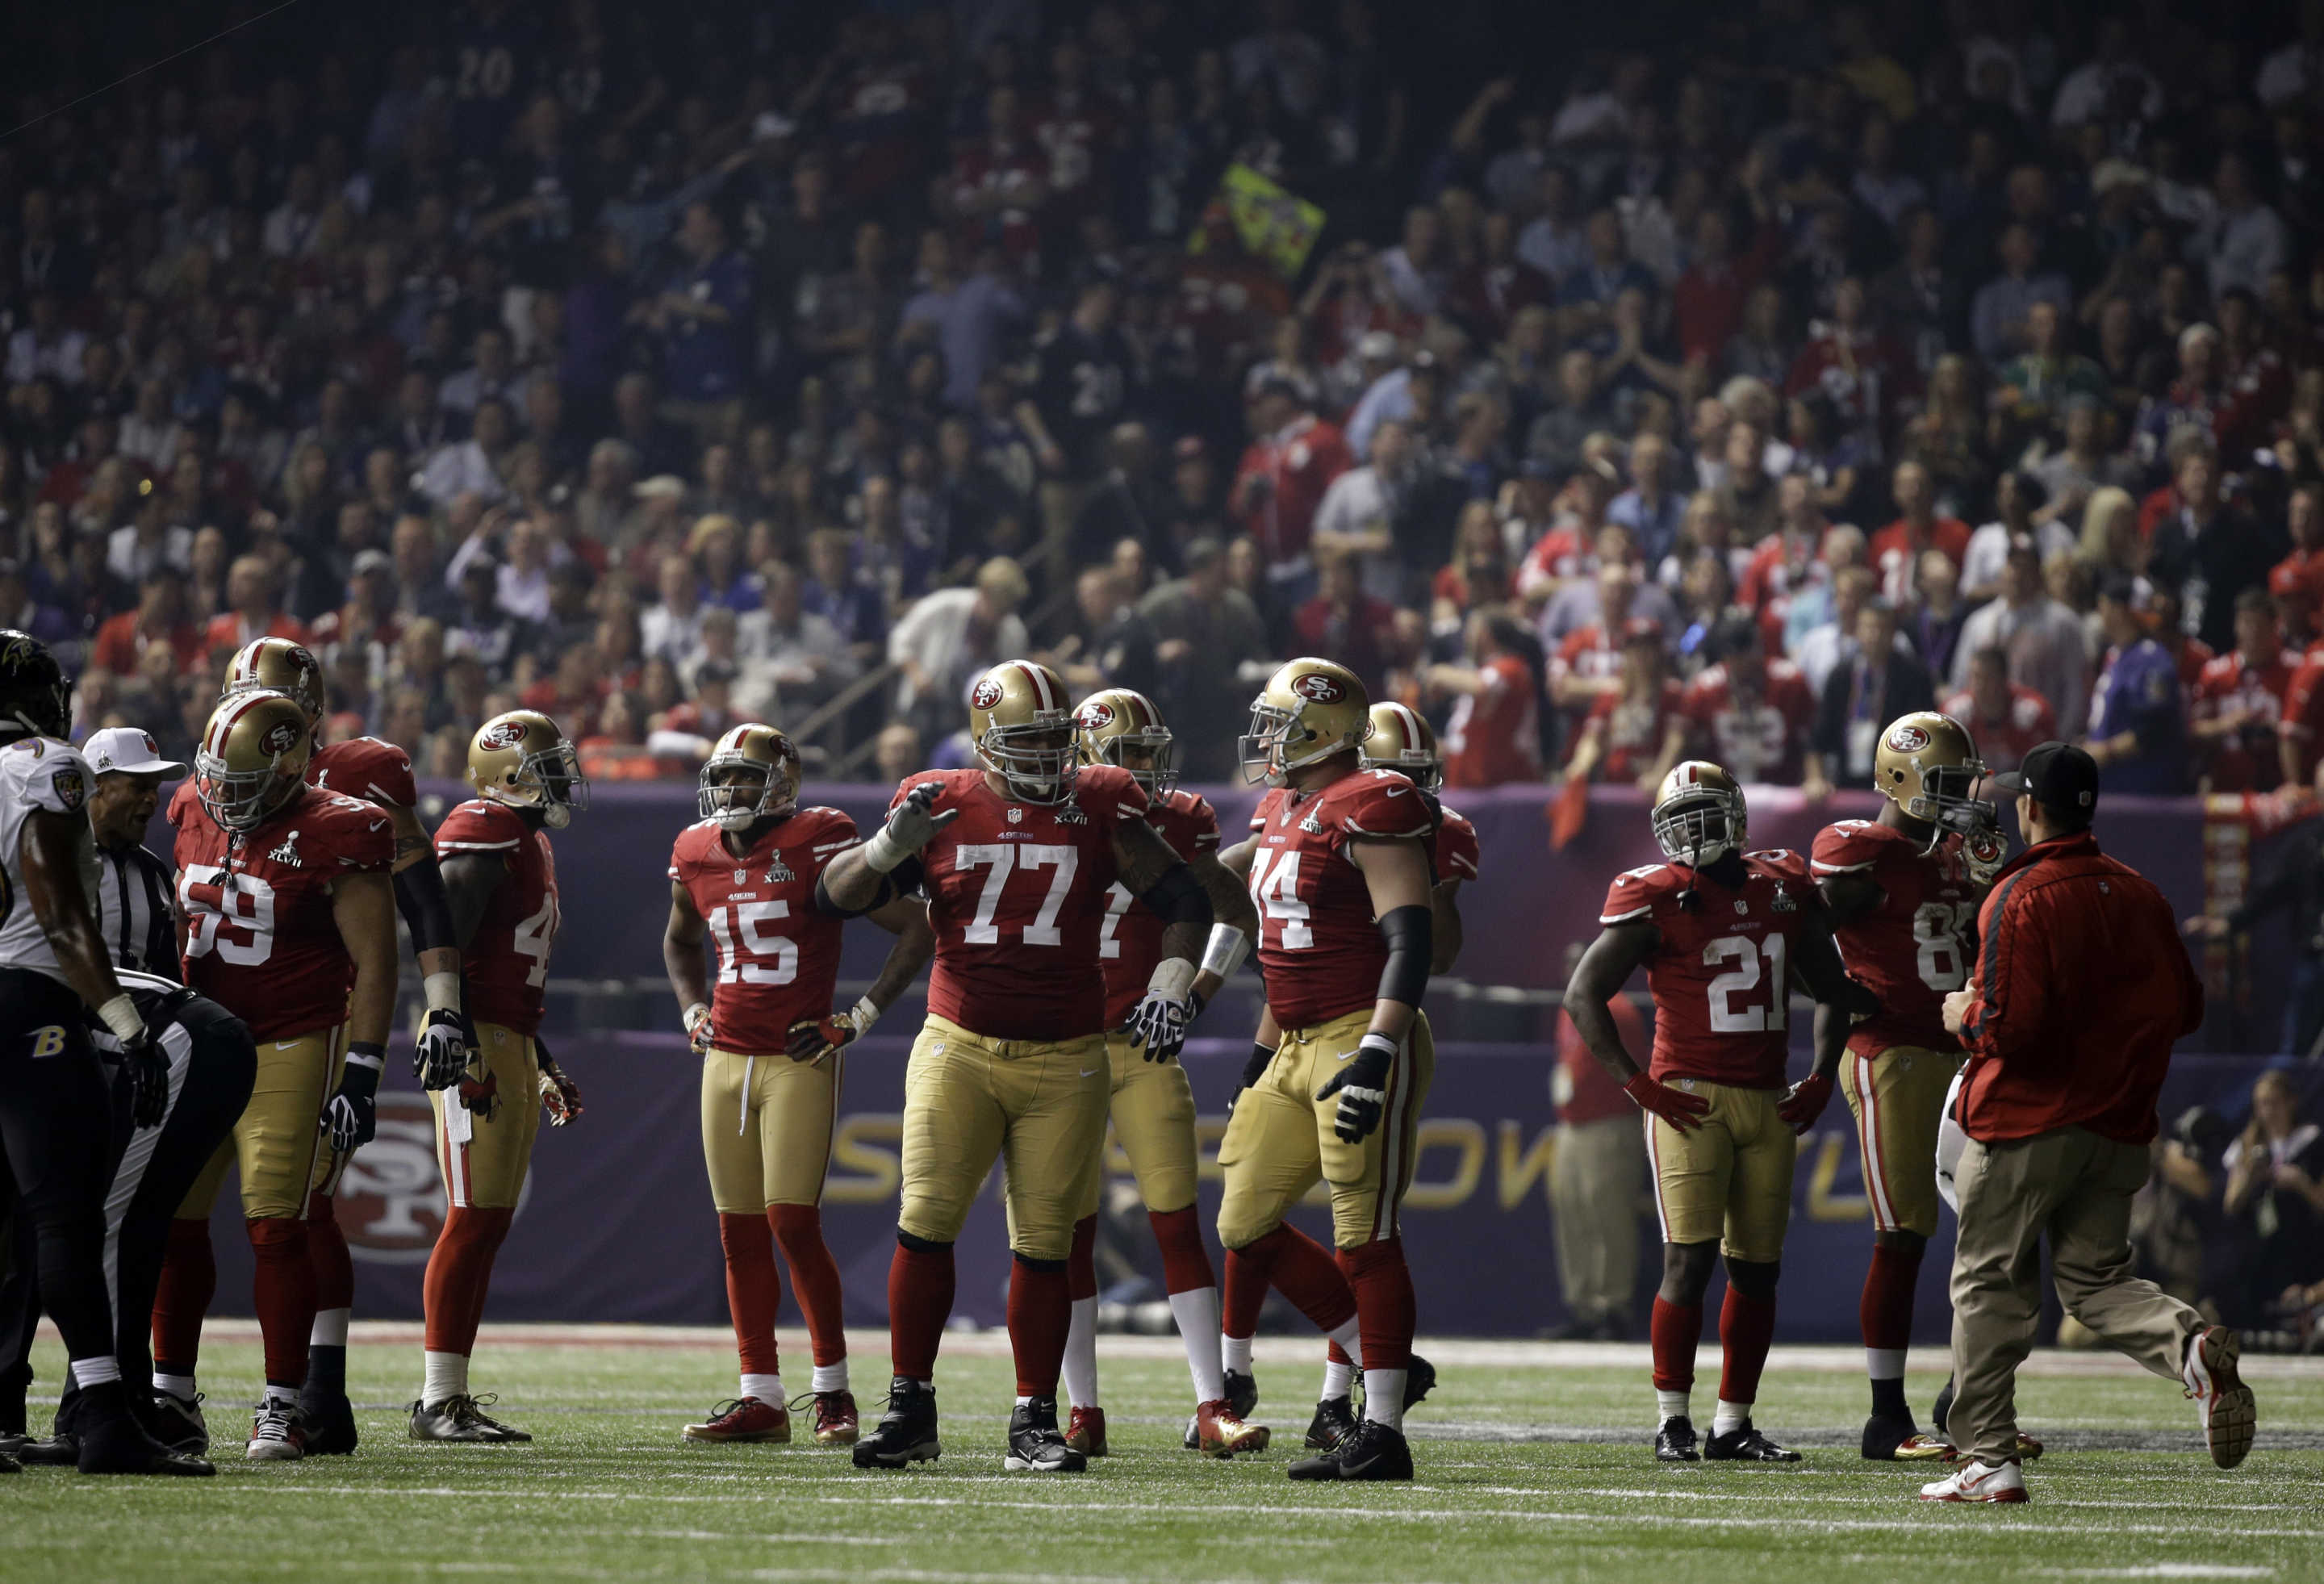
1900,1441
461,1418
1242,1393
1674,1442
906,1432
1419,1380
61,1450
1743,1444
8,1464
178,1423
1035,1444
119,1445
1371,1450
1334,1418
330,1424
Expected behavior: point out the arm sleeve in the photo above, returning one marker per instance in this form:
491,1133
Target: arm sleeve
426,907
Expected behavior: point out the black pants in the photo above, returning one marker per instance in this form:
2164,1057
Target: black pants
212,1066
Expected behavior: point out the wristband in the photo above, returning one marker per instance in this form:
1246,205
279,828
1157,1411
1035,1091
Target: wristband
864,1014
442,991
1223,952
883,852
1373,1040
1173,978
365,1053
120,1014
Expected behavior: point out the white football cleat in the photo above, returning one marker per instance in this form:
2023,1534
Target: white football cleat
1978,1482
2221,1398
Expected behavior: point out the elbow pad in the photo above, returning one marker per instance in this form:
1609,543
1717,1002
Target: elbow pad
1411,935
426,907
1179,897
823,903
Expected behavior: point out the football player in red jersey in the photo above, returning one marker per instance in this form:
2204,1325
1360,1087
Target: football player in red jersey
379,773
1015,857
502,877
1723,935
749,875
1337,1097
1151,1103
1903,893
289,922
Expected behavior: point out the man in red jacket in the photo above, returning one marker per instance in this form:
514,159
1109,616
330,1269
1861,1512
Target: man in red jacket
2081,986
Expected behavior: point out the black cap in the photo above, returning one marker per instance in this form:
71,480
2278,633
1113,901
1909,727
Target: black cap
2058,776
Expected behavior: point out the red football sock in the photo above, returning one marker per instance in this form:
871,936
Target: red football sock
188,1282
327,1251
1675,1331
1745,1328
754,1294
1386,1309
919,1302
1885,1312
815,1277
284,1290
1185,1262
1244,1292
1081,1261
1040,1314
459,1272
1304,1271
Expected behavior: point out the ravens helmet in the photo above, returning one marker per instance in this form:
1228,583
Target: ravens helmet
33,692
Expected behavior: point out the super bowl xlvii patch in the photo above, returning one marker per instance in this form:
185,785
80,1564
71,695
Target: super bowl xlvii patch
1783,901
287,854
69,788
778,873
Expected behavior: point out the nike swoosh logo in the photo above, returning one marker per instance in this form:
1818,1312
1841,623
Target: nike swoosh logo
1087,1071
1347,1056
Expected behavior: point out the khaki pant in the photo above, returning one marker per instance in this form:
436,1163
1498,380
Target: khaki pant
484,1159
1898,1098
2074,1187
277,1143
766,1129
1153,1111
1731,1177
1038,1106
1280,1139
1593,1195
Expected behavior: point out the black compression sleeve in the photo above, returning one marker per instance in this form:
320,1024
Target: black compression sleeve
830,908
426,907
1410,933
1179,897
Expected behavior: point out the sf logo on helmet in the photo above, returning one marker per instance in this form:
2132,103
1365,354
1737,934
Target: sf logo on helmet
1095,716
507,735
1908,740
987,693
281,738
1318,688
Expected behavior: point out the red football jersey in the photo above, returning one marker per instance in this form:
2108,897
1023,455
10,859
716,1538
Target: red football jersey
777,955
1453,852
1130,942
366,768
1917,944
1720,973
1017,895
1317,941
2004,744
2245,760
1760,741
1633,731
260,938
507,959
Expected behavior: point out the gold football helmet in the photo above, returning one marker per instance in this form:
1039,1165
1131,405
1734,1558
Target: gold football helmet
1699,815
1401,739
277,665
753,774
1309,710
1121,727
1926,764
253,758
521,758
1022,725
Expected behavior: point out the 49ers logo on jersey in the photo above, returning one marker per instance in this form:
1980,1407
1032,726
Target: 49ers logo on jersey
507,735
1317,688
1095,715
987,694
1908,740
281,738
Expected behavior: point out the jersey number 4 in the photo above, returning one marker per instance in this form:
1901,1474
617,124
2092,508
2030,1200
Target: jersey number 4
1744,978
1275,886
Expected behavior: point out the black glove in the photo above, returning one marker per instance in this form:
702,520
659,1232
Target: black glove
447,1043
353,1115
147,1067
1361,1084
1253,1070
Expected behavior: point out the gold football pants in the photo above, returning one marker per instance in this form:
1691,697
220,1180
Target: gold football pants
484,1159
766,1129
1899,1097
278,1142
1731,1177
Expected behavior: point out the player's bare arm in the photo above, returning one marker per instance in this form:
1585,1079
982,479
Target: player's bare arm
1604,969
855,880
1236,859
47,855
1144,862
685,960
1840,1002
1445,901
906,918
1235,923
362,910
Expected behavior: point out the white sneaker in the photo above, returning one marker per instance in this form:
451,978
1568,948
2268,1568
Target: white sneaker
1978,1482
2221,1398
275,1434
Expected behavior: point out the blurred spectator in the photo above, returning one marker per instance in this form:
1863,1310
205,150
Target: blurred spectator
254,601
1633,732
953,634
2237,706
1206,633
1870,688
2006,721
2275,1201
2041,636
1496,732
2138,711
1292,459
1896,549
2213,550
1747,712
158,621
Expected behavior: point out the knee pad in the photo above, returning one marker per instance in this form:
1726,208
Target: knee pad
921,1245
1046,1266
1755,1279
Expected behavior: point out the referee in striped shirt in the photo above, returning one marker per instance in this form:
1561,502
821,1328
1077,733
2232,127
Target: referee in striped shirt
212,1068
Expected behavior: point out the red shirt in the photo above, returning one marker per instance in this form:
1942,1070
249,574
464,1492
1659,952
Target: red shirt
1556,557
1720,973
1588,653
777,954
1633,731
2024,725
1300,463
260,940
1584,1091
1130,942
1494,736
1895,557
2245,760
1757,740
507,959
1913,947
1782,565
1017,896
230,631
121,645
1317,943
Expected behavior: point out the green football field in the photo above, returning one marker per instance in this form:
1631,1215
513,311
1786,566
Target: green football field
1532,1464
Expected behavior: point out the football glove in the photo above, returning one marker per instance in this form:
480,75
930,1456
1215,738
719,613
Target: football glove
1254,1068
352,1118
1805,1102
147,1068
1158,1023
1361,1085
1684,1111
697,1029
813,1038
910,827
559,1094
446,1043
1984,850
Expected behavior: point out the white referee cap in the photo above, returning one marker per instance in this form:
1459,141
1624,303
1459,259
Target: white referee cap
129,751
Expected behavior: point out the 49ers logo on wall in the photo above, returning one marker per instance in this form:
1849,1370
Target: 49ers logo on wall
1908,740
391,1198
1095,716
1317,688
987,694
506,734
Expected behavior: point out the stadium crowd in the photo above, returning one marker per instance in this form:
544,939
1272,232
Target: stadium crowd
527,353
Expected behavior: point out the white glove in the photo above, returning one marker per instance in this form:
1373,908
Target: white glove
910,828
